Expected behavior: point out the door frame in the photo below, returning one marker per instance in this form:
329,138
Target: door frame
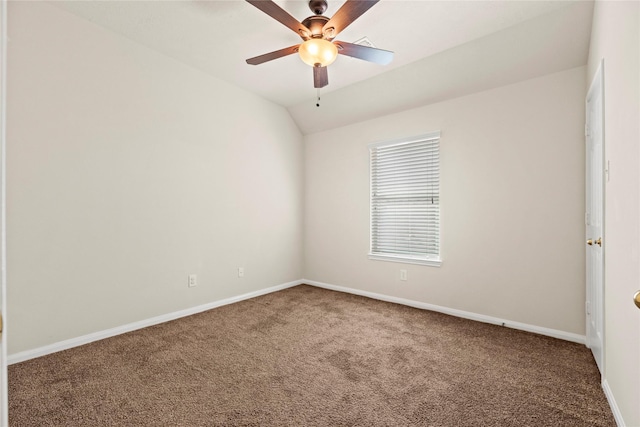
4,393
596,84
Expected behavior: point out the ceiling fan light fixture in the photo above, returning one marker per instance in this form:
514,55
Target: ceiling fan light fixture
318,51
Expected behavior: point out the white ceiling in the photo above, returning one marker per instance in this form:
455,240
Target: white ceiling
443,49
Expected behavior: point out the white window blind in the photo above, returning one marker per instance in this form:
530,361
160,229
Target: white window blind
405,199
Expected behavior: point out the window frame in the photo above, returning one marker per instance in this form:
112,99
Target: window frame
428,260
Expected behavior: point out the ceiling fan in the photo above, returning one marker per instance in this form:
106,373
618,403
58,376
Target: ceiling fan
318,48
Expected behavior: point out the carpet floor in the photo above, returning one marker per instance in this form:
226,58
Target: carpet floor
306,356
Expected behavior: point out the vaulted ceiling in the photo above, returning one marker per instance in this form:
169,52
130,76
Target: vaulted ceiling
443,49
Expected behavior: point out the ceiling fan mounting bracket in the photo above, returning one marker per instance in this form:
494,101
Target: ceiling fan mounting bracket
318,6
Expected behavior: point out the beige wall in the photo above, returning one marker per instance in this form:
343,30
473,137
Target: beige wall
126,172
616,38
512,166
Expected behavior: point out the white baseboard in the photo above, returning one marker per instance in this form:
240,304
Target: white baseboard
86,339
96,336
617,415
567,336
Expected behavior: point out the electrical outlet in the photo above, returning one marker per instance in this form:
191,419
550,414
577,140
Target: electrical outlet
240,271
403,274
193,280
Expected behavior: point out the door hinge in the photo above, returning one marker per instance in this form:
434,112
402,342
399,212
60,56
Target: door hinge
587,307
586,130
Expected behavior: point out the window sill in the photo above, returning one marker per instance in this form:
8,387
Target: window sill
391,258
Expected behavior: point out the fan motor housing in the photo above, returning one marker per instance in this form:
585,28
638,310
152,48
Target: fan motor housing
315,24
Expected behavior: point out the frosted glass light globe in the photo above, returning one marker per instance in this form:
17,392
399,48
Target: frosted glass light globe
318,51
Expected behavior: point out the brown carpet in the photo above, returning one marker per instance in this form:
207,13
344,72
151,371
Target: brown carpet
309,356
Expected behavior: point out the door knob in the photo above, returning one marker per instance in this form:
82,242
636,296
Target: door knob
636,299
589,242
599,241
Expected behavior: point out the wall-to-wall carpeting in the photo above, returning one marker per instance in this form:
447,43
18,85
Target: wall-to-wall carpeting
309,356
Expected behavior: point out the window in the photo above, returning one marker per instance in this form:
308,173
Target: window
405,200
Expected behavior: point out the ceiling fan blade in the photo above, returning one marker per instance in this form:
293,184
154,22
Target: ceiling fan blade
320,77
349,12
282,16
273,55
371,54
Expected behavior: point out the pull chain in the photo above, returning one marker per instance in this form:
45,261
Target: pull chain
318,101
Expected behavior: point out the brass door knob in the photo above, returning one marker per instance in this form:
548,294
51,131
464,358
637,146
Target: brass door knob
636,299
599,241
589,242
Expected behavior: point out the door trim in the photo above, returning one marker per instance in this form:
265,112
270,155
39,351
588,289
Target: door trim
4,389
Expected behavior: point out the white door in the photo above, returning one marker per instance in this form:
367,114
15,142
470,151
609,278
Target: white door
594,217
4,407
